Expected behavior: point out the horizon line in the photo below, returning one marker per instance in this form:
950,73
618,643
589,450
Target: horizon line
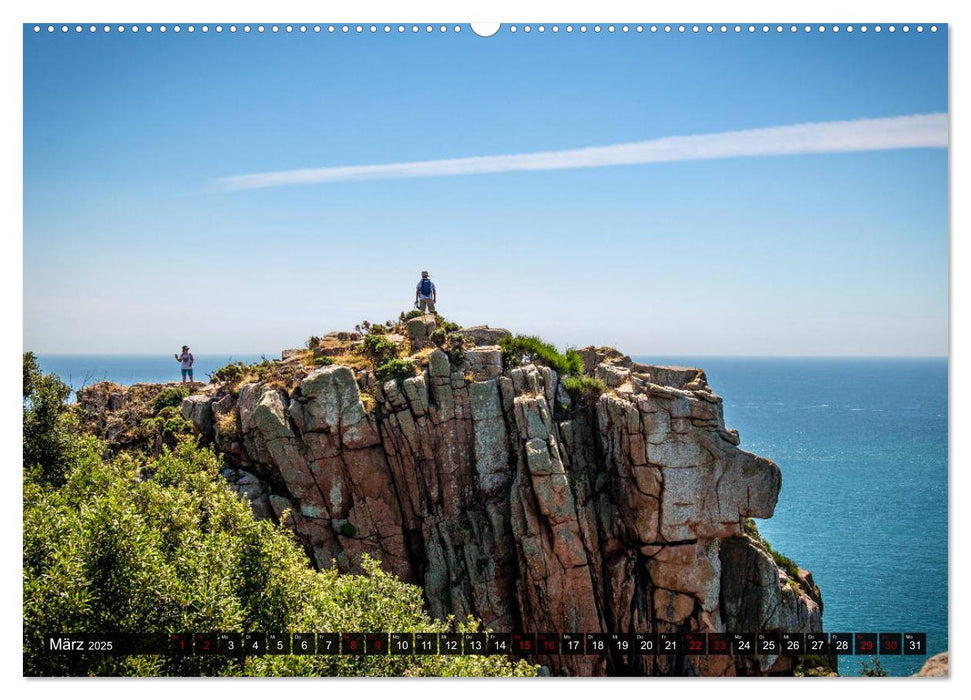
929,130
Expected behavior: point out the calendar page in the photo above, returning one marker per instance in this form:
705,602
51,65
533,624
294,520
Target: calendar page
681,409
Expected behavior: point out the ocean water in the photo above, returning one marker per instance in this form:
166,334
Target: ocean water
862,444
83,370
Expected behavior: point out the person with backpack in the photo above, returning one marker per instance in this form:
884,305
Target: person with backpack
186,359
425,296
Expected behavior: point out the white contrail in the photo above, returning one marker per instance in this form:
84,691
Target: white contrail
887,133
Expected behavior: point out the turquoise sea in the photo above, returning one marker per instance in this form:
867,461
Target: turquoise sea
862,444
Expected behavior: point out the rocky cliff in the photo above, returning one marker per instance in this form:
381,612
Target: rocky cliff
507,498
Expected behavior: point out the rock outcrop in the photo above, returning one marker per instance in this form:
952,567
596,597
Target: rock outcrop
504,498
934,667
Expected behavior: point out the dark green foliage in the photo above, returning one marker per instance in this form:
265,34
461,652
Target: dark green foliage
347,530
812,665
378,349
323,361
166,546
874,669
584,389
377,329
49,423
452,342
524,349
408,315
312,342
782,561
445,324
170,396
397,368
232,373
166,427
456,353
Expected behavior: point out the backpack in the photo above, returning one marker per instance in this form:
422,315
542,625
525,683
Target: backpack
425,287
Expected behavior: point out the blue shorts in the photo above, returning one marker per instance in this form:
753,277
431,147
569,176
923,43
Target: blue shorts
187,373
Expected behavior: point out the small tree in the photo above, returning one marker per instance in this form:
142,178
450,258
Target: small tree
50,442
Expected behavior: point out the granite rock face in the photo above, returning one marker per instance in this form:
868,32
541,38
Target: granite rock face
503,498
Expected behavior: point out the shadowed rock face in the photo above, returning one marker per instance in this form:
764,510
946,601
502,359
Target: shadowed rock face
484,485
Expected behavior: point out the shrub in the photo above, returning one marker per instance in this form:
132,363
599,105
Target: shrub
378,349
169,397
49,424
165,546
583,388
874,669
378,329
323,361
523,349
231,373
446,325
439,337
408,315
456,354
312,342
398,368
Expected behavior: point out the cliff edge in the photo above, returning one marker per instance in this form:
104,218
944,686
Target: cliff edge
615,504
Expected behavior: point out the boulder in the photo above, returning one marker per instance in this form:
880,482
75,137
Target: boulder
484,335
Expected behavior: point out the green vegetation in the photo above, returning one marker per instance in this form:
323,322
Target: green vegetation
379,349
446,325
408,315
397,368
813,666
276,373
452,342
584,388
169,397
523,349
50,425
166,426
163,545
782,561
231,373
874,669
312,342
323,361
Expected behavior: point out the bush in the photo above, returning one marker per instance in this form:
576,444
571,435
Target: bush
874,669
399,368
231,373
312,342
170,396
378,349
524,349
584,388
49,424
323,361
408,315
165,546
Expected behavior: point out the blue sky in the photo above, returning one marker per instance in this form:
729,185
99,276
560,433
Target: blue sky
129,246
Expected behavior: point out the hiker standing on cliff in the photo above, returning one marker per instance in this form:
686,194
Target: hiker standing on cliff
186,359
425,296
